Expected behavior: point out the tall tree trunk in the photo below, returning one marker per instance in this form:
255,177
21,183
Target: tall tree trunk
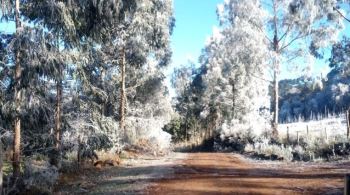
233,98
58,113
1,165
275,76
17,96
103,105
122,93
347,123
275,105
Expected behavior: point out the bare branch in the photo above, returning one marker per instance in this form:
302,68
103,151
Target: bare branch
261,30
259,77
285,33
300,36
341,14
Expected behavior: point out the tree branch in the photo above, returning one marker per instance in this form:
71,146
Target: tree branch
296,38
251,74
341,14
285,34
261,30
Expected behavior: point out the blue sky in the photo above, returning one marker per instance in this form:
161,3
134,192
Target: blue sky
194,22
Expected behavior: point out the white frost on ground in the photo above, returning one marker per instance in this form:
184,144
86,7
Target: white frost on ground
329,127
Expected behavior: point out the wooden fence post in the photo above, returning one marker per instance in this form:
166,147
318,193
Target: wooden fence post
347,184
307,131
288,134
326,135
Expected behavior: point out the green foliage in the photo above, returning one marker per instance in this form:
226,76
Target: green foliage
175,129
235,142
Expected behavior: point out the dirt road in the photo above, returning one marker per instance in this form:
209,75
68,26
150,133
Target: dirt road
218,173
207,173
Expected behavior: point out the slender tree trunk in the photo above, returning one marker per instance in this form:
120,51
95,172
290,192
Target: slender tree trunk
58,114
275,76
1,165
275,104
122,93
186,126
103,105
347,122
58,117
17,96
233,98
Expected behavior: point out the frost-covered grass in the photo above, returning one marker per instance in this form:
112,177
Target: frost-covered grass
305,140
331,128
270,151
298,141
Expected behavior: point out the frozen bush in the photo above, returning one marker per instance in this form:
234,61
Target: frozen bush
149,129
39,176
298,153
6,137
263,149
90,135
249,148
235,141
244,127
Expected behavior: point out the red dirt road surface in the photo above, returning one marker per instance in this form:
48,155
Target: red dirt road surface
227,173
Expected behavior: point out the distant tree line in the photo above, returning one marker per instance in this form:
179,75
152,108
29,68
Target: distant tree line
310,98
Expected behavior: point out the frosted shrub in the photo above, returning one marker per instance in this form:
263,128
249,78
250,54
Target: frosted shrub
39,176
315,143
150,130
98,133
235,135
299,152
270,151
6,137
253,125
249,148
232,128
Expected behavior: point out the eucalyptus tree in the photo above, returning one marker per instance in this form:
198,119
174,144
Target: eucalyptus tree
245,70
36,56
10,11
140,32
124,32
147,34
295,31
235,60
181,81
134,32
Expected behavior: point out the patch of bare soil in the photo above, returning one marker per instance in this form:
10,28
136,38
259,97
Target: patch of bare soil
133,176
219,173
